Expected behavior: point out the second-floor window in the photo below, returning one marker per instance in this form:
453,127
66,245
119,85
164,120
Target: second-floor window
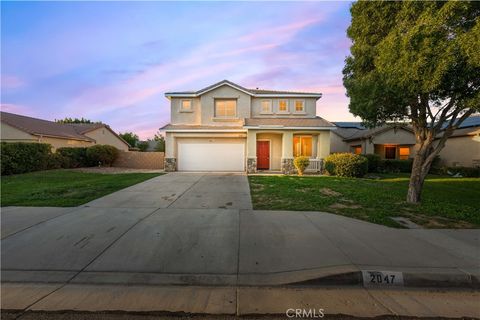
225,108
266,106
299,106
186,105
282,105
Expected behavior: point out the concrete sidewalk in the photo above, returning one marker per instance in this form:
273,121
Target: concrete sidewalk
351,301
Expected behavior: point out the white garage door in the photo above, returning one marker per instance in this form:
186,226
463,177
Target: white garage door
211,155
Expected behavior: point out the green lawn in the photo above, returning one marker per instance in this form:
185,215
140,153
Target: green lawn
446,201
63,188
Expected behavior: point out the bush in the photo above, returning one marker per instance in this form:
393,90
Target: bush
395,166
346,165
373,162
77,157
58,161
142,146
21,157
102,155
301,163
468,172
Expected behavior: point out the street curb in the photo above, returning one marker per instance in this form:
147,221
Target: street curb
410,280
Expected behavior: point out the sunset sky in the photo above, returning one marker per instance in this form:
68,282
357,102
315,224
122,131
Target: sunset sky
113,61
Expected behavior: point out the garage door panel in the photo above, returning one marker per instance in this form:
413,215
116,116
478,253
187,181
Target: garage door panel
203,155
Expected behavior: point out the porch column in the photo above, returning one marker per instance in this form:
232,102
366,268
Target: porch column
323,145
287,153
170,162
251,151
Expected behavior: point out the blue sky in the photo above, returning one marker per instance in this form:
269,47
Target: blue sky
113,61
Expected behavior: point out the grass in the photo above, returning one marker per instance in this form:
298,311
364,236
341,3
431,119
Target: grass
446,202
63,188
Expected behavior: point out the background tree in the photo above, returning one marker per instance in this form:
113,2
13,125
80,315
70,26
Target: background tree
160,142
142,146
415,61
130,137
76,120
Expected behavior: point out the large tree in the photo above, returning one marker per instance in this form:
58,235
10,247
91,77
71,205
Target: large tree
131,138
417,62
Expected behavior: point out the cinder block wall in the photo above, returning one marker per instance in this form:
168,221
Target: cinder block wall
139,160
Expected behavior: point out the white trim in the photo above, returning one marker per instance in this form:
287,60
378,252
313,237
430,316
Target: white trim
258,95
205,130
269,155
293,128
288,95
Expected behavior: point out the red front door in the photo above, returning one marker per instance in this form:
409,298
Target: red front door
263,155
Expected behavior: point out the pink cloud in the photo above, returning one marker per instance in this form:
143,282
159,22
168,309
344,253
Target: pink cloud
14,108
11,82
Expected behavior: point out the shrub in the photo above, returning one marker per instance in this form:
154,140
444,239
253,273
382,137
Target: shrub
301,163
346,165
77,157
142,146
102,155
468,172
58,161
395,166
21,157
373,162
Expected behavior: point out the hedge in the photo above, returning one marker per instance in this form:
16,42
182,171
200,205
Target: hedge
22,157
102,155
395,166
469,172
77,157
373,162
346,165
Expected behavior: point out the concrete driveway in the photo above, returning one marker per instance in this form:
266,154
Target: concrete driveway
200,229
183,191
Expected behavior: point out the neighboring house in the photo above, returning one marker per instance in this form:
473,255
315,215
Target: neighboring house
397,141
226,127
17,128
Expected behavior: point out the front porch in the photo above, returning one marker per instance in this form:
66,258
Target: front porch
274,151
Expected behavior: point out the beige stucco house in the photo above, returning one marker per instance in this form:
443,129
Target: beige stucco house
226,127
18,128
397,141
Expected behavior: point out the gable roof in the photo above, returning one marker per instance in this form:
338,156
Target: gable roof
367,133
40,127
250,92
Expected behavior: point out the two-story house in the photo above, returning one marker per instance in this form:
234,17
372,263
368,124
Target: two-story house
226,127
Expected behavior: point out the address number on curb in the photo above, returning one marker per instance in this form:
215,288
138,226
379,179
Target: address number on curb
382,278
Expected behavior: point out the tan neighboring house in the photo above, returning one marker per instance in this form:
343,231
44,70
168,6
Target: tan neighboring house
226,127
398,142
18,128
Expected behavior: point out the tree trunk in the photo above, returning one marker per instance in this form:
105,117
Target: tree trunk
416,182
420,167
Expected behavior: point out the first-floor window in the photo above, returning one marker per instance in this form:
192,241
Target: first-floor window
390,152
302,146
404,153
357,149
225,108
